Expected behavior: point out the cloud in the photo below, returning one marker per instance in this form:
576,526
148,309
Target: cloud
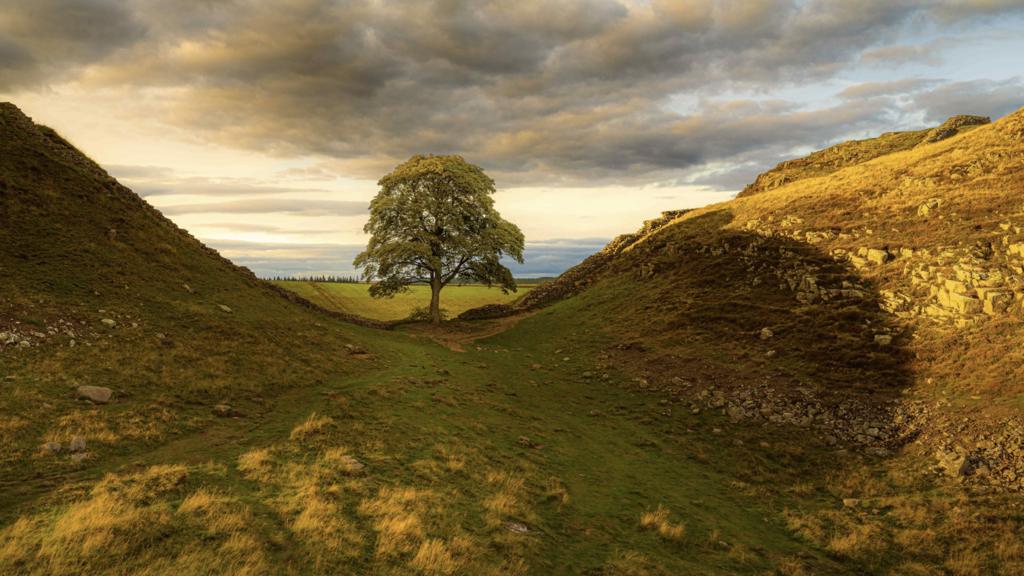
893,87
300,206
153,181
45,40
985,98
534,91
899,54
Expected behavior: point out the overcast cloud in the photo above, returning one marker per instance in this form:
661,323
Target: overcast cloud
573,93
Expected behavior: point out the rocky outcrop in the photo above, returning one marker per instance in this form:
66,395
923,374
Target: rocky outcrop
954,126
959,285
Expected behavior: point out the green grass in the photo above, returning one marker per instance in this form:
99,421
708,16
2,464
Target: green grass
355,298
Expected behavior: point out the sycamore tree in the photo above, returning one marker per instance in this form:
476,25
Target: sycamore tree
434,222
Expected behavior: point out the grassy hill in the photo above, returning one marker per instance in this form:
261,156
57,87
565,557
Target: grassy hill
738,389
355,298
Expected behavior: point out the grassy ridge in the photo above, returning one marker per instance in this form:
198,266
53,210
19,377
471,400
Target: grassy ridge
355,298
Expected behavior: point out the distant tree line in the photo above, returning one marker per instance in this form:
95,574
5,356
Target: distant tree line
321,278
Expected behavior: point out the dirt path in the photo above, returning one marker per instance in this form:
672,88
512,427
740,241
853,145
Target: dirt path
455,335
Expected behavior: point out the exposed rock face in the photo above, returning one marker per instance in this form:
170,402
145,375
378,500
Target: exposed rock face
952,284
95,394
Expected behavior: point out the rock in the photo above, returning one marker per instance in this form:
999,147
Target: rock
951,462
766,333
526,442
929,206
109,322
95,394
226,411
52,448
883,339
353,349
225,308
517,527
188,289
965,304
851,502
77,444
351,464
877,256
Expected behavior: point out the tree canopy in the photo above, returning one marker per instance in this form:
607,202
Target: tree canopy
433,221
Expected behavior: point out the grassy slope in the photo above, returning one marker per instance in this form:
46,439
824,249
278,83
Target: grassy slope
355,298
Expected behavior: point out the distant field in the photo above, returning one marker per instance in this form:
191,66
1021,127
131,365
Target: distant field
355,298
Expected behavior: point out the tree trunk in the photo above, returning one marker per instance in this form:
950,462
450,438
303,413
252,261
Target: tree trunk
435,300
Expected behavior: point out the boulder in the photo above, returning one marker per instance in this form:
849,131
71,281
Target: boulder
95,394
877,256
929,206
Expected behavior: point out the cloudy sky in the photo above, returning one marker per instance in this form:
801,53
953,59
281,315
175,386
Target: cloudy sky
262,126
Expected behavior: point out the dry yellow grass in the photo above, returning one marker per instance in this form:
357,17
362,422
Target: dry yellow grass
434,558
312,426
116,527
658,521
257,464
509,500
397,518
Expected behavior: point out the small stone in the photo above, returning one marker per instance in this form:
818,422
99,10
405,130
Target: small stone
526,442
883,339
517,527
226,411
108,322
224,308
77,444
95,394
352,464
766,333
353,349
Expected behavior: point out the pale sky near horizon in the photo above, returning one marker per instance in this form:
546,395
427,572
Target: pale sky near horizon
261,127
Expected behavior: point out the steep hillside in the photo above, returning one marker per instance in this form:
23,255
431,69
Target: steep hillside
877,308
117,328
